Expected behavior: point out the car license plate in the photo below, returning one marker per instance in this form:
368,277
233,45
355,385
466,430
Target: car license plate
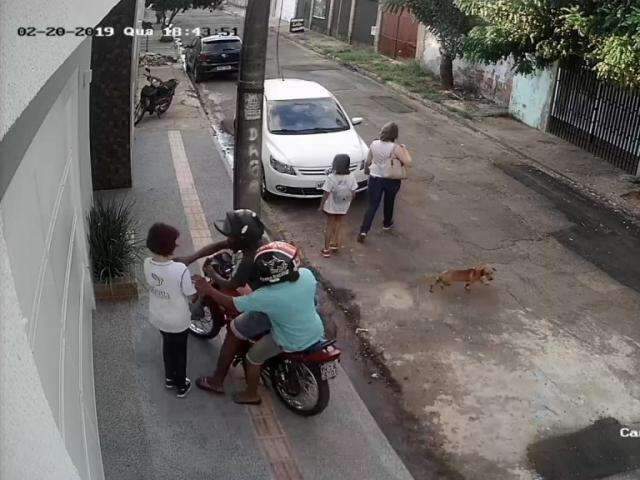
328,370
223,67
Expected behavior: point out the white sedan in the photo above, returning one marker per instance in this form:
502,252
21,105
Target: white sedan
304,128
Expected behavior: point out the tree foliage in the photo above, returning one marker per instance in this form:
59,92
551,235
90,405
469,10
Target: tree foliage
536,33
446,21
168,9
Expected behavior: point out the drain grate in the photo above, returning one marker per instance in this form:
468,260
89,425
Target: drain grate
392,104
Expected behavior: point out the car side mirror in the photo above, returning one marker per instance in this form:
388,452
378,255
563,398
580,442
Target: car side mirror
356,120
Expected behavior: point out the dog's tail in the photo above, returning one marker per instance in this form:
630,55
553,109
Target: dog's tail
430,280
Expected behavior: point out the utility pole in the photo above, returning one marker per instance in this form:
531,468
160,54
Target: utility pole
247,163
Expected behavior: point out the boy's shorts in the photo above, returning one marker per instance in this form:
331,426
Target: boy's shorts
256,325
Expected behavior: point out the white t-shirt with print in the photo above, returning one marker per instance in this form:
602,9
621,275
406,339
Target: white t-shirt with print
340,188
169,286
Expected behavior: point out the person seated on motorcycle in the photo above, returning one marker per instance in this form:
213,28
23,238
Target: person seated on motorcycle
280,316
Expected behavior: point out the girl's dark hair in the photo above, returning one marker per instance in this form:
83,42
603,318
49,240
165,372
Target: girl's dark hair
161,239
341,164
389,132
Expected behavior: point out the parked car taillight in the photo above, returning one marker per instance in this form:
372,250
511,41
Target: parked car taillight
202,57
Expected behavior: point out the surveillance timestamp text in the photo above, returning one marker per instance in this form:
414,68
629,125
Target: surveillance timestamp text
111,31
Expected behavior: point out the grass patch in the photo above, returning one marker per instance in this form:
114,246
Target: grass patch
408,74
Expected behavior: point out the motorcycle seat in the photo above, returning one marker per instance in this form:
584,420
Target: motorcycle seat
322,351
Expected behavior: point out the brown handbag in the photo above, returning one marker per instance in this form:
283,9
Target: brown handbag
398,170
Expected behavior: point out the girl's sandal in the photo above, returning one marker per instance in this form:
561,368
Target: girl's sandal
334,248
326,253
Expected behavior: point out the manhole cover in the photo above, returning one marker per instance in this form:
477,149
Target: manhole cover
310,67
392,104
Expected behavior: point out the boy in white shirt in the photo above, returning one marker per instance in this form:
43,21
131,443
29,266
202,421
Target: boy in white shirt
170,290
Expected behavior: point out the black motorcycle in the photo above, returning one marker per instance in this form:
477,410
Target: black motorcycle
155,97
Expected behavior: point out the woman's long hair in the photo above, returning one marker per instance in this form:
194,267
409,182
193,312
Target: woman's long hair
389,132
341,164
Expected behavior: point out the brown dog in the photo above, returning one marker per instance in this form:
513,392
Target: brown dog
481,273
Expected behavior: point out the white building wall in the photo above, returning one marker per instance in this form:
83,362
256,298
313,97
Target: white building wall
31,446
48,297
28,62
287,7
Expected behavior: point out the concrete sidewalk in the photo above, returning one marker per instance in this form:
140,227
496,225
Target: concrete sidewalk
145,431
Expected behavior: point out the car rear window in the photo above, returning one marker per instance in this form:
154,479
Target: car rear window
221,46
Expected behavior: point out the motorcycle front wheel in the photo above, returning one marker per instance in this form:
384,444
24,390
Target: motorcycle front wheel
139,112
206,327
300,386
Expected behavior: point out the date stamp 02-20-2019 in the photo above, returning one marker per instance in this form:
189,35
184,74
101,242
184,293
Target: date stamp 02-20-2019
127,31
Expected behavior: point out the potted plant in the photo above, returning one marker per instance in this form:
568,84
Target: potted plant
114,249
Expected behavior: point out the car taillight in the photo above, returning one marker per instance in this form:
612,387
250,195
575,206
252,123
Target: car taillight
203,57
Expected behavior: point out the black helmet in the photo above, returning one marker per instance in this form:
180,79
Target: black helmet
243,225
277,262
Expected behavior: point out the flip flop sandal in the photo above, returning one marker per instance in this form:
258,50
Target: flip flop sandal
325,253
203,383
246,402
334,248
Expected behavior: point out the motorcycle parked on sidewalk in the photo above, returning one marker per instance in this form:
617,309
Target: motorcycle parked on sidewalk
299,379
155,97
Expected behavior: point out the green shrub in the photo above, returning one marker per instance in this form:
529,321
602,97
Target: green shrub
113,247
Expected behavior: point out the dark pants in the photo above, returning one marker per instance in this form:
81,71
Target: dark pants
377,188
174,352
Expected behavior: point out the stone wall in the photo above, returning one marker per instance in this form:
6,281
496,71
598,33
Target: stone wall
110,101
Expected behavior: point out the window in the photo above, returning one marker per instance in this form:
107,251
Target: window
220,46
305,117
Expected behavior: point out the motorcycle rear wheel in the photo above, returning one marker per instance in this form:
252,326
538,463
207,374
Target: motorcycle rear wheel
163,107
300,386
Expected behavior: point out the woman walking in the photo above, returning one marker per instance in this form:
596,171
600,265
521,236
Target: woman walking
386,165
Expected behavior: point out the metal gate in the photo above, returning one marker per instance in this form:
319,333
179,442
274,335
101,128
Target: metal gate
598,116
398,35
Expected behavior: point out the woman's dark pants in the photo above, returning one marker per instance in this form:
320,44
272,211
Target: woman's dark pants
379,187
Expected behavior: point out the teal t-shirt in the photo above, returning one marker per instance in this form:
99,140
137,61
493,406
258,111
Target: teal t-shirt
295,323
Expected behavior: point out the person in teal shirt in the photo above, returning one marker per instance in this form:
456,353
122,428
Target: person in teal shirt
281,315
